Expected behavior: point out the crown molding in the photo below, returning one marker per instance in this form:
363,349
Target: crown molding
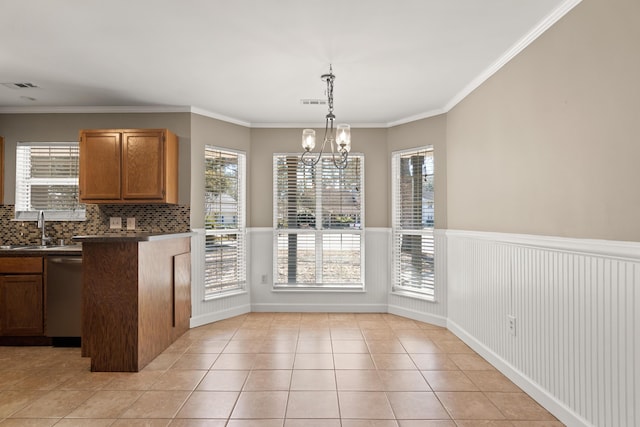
166,109
417,117
212,115
518,47
94,109
312,125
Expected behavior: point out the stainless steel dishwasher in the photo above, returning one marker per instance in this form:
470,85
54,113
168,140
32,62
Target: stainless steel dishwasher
64,298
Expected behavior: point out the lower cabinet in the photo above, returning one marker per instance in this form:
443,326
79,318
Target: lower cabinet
21,296
136,300
21,305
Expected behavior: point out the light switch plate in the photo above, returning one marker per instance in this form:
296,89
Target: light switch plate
131,223
115,222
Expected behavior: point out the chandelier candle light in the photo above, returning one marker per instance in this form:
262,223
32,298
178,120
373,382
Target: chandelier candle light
341,139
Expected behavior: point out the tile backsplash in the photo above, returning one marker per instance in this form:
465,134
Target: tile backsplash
148,218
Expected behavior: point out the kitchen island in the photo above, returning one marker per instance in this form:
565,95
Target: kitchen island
136,294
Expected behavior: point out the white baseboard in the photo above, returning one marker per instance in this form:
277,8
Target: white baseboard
553,405
219,315
326,308
433,319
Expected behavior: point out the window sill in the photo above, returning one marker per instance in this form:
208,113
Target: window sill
226,294
318,288
414,295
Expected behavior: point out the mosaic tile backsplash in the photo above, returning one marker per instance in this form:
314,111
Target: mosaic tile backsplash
149,218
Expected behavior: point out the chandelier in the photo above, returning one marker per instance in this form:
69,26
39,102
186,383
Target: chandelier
339,139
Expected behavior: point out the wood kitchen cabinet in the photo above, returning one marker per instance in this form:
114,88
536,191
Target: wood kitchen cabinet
128,166
21,296
136,298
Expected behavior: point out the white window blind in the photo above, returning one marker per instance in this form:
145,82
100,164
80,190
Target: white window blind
318,222
225,225
47,180
413,221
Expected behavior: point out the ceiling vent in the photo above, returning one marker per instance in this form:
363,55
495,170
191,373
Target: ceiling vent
313,101
21,85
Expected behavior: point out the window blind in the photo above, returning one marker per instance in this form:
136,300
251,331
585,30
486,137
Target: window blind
318,220
413,221
47,180
225,225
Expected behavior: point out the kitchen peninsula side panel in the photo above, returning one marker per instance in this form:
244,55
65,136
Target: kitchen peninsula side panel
134,300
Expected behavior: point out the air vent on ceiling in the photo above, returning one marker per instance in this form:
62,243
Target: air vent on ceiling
20,85
313,101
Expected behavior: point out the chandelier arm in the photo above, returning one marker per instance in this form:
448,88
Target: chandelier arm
338,151
342,164
309,161
307,158
328,130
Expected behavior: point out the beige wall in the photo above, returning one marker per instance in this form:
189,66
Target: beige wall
371,142
65,127
431,131
208,131
549,145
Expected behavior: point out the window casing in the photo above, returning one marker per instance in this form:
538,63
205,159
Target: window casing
225,225
413,266
47,180
318,223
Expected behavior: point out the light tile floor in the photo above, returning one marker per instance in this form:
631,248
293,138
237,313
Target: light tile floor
275,370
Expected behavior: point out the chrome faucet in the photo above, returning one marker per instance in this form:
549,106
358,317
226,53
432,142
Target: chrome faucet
42,226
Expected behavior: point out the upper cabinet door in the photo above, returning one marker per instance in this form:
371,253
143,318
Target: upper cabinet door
143,166
100,165
128,166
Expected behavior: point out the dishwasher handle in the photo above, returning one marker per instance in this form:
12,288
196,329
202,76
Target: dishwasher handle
66,260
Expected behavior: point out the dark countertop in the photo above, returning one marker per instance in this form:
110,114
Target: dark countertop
37,250
130,237
76,248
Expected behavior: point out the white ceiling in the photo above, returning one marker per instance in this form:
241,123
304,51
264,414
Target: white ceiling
252,61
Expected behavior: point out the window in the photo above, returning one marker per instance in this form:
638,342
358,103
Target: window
318,223
225,242
413,221
47,180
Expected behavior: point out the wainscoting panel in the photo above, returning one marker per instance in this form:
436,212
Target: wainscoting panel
203,312
576,304
434,312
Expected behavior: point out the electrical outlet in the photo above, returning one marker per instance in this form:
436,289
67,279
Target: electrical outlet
131,223
512,325
115,222
263,279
